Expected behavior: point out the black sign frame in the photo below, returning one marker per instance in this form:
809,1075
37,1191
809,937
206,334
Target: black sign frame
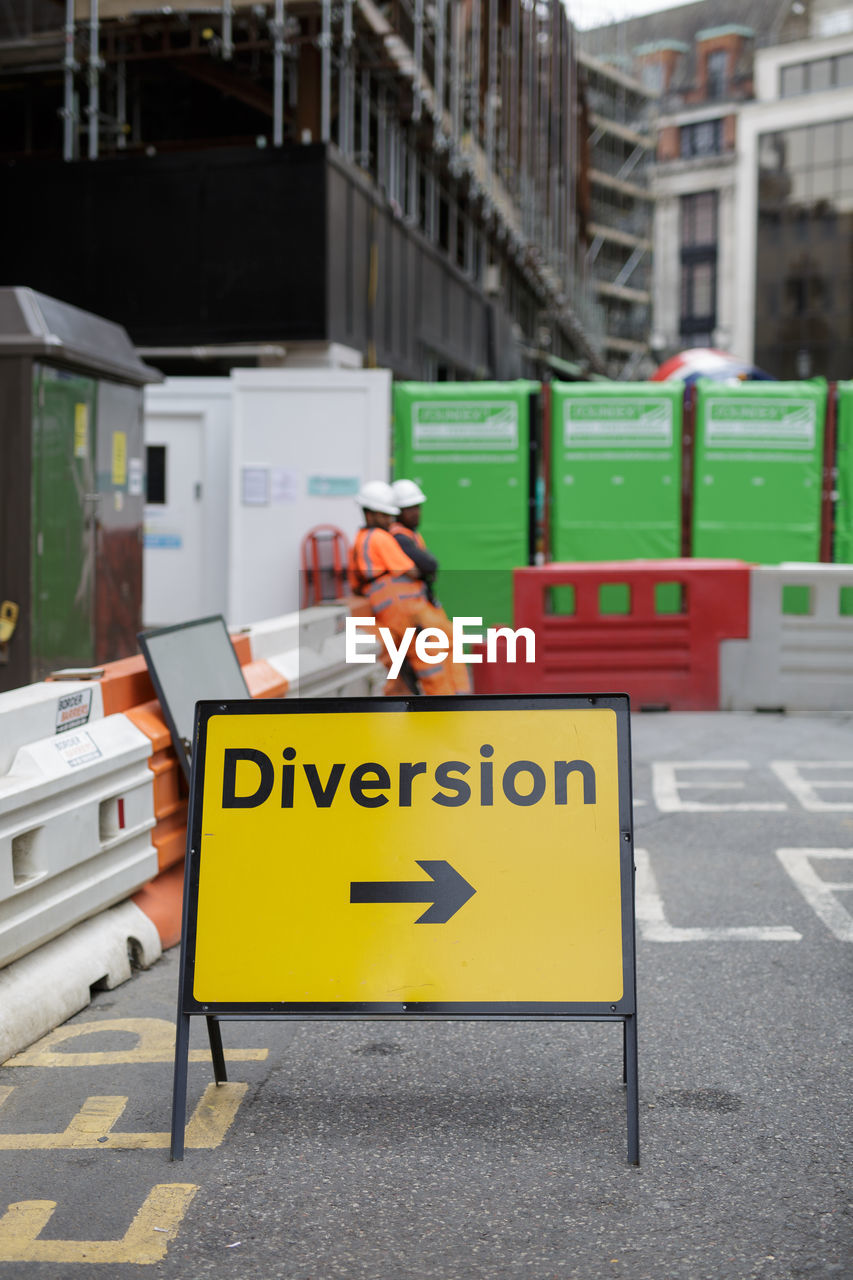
624,1011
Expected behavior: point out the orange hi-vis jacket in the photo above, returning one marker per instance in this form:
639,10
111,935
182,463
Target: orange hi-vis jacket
429,614
378,570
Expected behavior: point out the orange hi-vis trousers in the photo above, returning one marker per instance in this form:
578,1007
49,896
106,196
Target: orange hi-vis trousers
399,603
432,615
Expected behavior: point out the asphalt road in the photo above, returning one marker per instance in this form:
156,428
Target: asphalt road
497,1150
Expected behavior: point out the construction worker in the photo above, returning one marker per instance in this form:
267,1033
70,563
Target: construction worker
409,498
390,581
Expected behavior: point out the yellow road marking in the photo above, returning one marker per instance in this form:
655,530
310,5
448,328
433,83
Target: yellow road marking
213,1116
92,1126
155,1043
145,1241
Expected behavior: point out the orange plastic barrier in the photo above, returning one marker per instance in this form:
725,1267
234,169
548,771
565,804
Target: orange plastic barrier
661,647
126,687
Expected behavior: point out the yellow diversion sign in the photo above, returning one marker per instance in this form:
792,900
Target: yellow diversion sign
460,857
380,855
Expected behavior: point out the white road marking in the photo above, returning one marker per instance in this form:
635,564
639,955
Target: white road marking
806,789
666,787
820,893
654,926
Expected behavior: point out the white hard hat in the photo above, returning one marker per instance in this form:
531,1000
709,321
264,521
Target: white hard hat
376,495
407,494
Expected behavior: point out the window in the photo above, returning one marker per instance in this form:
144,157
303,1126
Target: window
155,464
698,266
822,144
807,322
699,219
704,138
698,295
718,74
652,74
816,76
792,80
698,339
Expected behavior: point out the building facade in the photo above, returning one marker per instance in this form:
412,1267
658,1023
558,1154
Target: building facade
796,209
618,255
752,233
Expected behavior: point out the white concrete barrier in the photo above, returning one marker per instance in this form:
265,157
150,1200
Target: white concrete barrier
799,662
42,990
76,812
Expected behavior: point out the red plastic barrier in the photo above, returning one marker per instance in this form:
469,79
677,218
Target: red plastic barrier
661,659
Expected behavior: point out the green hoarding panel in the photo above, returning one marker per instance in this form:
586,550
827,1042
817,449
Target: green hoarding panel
843,542
615,470
758,469
467,445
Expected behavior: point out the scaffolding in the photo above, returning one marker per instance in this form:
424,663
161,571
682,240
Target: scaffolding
464,113
618,257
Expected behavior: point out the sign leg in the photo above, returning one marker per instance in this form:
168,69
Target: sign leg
179,1086
633,1090
214,1035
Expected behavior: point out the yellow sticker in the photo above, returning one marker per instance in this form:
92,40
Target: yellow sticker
119,475
460,856
81,430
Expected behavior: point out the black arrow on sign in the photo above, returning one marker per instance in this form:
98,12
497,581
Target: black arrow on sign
446,890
